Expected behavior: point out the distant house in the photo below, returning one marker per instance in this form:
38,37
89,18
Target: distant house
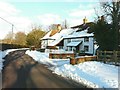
79,38
59,38
46,40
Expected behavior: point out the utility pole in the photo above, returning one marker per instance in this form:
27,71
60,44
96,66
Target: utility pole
12,27
12,34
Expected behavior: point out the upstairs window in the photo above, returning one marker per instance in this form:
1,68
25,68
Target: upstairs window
69,40
86,39
60,47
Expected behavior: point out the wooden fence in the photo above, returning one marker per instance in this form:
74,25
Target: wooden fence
109,56
61,55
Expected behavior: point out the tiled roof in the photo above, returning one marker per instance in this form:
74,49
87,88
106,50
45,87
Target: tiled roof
83,26
53,32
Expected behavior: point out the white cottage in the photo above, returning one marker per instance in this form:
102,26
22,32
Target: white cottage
79,38
80,42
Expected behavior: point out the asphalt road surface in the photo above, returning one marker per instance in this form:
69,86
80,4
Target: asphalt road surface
21,71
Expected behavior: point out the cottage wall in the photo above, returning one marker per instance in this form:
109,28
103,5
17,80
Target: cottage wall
45,43
90,44
65,44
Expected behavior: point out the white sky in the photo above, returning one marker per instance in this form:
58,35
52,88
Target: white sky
24,14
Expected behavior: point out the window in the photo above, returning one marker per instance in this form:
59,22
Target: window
70,48
86,39
76,40
86,48
69,40
60,47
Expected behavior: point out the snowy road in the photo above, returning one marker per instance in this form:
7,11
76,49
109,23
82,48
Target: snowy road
21,71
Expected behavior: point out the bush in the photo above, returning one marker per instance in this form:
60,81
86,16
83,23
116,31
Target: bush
11,46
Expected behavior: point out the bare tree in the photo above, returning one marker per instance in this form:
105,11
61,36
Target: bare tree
8,38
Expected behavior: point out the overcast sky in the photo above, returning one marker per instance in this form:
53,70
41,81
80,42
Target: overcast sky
23,14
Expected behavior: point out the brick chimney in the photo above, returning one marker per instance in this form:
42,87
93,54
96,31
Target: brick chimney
84,20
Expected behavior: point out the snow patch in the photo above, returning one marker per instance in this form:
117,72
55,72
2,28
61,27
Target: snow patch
40,57
1,60
92,73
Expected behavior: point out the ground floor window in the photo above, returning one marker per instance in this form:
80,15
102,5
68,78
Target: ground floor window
69,48
86,48
60,47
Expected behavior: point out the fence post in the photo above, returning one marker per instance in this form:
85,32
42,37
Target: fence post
100,53
105,59
97,55
100,56
115,56
118,57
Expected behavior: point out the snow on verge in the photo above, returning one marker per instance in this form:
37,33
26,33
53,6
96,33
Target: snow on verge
1,60
4,53
92,73
40,57
44,58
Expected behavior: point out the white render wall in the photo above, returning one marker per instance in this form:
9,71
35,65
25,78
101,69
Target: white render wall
45,43
81,46
90,44
65,44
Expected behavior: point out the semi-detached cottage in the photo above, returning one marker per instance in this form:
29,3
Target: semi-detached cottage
78,38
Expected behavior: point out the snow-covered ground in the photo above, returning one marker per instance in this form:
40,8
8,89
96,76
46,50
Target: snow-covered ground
92,73
4,53
1,60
